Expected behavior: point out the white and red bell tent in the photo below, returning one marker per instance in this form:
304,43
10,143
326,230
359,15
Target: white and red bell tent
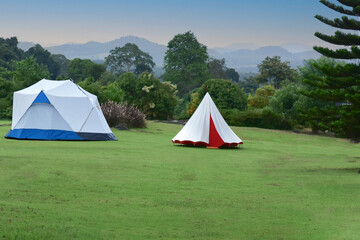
207,127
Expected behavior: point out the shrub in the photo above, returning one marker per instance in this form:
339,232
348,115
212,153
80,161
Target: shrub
284,100
6,113
117,114
262,118
155,98
225,94
262,96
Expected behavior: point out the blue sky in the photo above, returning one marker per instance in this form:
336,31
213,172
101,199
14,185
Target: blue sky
215,23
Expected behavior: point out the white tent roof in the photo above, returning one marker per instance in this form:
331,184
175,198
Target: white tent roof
200,130
79,108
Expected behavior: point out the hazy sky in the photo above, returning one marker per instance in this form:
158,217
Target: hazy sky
214,22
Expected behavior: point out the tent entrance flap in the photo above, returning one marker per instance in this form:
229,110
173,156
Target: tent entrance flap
214,138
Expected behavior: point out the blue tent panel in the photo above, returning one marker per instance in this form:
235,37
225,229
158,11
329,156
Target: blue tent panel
41,98
97,136
42,134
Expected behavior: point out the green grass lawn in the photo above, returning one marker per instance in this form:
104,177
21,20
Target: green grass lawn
278,185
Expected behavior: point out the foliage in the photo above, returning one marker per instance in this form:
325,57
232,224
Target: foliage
249,84
185,62
284,100
262,118
262,97
217,68
232,74
80,69
194,103
272,71
90,85
62,63
27,72
156,99
112,92
180,111
5,113
225,94
129,58
310,109
6,89
9,52
117,114
106,78
127,83
43,57
340,83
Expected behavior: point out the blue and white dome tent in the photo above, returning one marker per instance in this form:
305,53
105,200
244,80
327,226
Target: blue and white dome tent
58,110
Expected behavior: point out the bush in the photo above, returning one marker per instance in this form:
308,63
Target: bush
117,114
284,100
262,96
155,98
262,118
225,94
180,111
6,113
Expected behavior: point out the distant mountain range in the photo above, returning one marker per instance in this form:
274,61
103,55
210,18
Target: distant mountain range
242,57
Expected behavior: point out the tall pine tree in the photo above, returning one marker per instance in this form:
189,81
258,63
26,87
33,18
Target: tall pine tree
341,82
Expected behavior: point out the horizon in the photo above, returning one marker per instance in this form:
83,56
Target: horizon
215,24
132,36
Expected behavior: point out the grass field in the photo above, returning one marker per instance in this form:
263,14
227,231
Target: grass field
278,185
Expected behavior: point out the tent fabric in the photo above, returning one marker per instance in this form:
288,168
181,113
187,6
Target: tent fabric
58,110
207,127
41,134
41,98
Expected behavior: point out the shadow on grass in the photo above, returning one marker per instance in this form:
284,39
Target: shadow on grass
353,170
204,147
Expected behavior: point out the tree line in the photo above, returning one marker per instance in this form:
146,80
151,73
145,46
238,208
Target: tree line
323,94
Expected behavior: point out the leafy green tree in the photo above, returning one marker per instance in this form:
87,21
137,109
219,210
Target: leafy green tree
9,52
262,96
341,83
113,92
249,84
156,99
6,91
232,74
80,69
106,78
284,100
185,62
310,109
28,72
225,94
127,83
6,74
273,71
129,58
90,85
217,68
43,57
62,63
